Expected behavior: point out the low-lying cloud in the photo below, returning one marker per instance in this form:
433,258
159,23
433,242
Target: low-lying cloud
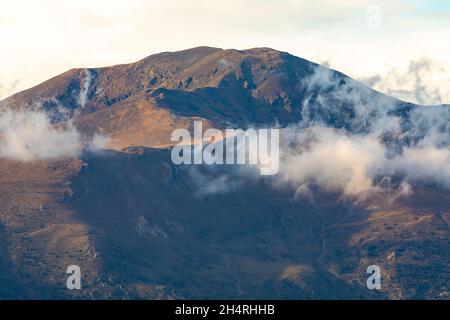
359,165
30,135
355,142
332,161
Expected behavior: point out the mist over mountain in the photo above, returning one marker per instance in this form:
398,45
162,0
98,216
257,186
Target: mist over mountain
424,81
86,179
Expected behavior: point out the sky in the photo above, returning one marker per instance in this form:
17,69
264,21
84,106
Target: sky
388,44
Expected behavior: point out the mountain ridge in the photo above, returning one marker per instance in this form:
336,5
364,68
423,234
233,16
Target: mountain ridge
260,86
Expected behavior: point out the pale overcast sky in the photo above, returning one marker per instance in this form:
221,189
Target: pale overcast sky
41,39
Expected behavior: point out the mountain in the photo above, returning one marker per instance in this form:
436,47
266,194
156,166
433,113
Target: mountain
141,227
132,102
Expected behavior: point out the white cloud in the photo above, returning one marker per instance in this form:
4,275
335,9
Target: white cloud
374,149
424,82
357,166
30,135
356,143
334,162
84,91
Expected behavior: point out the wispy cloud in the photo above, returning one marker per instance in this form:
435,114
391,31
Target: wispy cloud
424,82
29,135
8,89
355,142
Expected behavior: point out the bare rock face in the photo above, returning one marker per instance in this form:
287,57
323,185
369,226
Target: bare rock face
137,227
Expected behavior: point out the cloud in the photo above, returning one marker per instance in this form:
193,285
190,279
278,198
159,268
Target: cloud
84,91
355,142
219,179
359,165
30,135
333,161
424,82
98,143
7,90
425,164
207,185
